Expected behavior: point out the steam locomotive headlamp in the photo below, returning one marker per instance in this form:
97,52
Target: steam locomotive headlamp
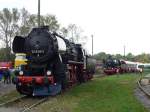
21,73
48,72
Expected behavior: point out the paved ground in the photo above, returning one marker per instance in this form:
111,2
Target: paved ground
5,109
142,98
6,88
147,76
145,100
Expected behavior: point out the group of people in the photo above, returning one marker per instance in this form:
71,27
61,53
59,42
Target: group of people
5,76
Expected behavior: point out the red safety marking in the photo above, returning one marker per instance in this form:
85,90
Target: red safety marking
38,79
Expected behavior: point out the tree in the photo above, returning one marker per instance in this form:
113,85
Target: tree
145,58
3,55
130,57
8,27
24,27
30,21
74,33
48,20
101,56
51,21
14,22
118,56
64,31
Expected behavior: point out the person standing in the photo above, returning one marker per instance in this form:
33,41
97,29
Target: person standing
6,75
1,74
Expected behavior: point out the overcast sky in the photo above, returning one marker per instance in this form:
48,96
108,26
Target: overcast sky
114,23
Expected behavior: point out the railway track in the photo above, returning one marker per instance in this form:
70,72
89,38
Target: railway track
143,89
12,100
34,104
24,103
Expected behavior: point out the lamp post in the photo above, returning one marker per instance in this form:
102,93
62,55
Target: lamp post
39,13
124,48
92,44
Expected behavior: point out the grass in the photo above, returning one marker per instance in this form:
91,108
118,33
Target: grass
107,94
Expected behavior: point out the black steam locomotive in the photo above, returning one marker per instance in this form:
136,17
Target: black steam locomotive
111,66
53,63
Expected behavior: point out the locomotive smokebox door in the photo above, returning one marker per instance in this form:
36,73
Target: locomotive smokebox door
18,44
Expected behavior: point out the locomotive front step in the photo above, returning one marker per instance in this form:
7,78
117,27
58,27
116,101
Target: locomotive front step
50,90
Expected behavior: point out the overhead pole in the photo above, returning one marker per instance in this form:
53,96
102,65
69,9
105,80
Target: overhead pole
124,48
92,44
39,13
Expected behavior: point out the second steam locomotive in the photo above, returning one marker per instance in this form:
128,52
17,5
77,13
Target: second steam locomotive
114,66
53,63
